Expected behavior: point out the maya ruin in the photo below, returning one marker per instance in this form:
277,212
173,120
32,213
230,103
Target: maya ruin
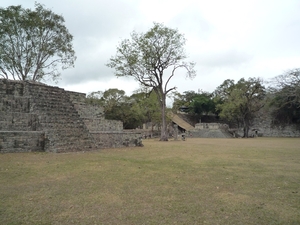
37,117
42,118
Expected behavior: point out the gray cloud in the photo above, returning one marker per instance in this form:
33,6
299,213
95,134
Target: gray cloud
228,42
190,21
229,58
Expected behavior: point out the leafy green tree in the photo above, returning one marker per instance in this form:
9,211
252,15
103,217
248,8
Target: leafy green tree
33,44
285,98
112,97
129,113
241,101
223,91
195,103
203,104
145,107
148,57
111,101
182,102
118,106
95,98
150,107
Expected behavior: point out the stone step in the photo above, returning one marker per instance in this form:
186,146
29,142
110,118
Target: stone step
56,99
57,141
46,95
70,146
57,114
59,119
21,141
65,149
209,133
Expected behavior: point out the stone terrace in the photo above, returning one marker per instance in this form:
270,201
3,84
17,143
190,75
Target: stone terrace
37,117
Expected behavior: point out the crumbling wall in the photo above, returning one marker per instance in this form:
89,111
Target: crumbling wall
63,127
18,126
22,141
263,126
38,117
110,139
105,133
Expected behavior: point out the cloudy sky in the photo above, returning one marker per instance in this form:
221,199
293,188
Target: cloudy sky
227,39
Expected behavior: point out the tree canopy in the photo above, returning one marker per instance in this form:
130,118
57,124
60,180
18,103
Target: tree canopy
148,57
285,98
33,44
200,103
133,111
241,101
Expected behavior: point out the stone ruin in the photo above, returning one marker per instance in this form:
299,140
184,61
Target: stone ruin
38,117
210,130
261,126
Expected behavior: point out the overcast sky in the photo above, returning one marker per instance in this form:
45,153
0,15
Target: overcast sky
228,39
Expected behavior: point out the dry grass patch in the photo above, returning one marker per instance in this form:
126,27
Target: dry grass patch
199,181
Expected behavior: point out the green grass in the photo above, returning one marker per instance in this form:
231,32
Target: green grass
199,181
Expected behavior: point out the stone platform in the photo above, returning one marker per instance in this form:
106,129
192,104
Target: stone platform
37,117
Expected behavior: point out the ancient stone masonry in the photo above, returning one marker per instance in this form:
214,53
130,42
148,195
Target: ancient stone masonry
105,133
210,130
37,117
262,126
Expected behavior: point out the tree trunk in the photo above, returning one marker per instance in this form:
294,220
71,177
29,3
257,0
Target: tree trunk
175,132
164,134
246,128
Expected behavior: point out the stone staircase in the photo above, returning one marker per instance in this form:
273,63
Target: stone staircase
180,122
210,133
38,117
63,127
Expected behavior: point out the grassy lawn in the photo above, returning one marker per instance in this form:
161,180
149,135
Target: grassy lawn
199,181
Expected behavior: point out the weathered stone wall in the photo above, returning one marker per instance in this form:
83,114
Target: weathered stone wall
17,124
95,125
208,133
264,127
85,110
64,129
261,126
37,117
16,121
93,115
105,133
116,139
22,141
213,126
209,130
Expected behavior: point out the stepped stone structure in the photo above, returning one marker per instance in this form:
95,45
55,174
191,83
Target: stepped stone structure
261,126
211,130
37,117
200,130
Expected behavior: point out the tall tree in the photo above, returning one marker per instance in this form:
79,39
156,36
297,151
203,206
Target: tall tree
203,104
194,103
149,106
113,97
240,101
110,100
285,97
146,105
33,44
148,57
